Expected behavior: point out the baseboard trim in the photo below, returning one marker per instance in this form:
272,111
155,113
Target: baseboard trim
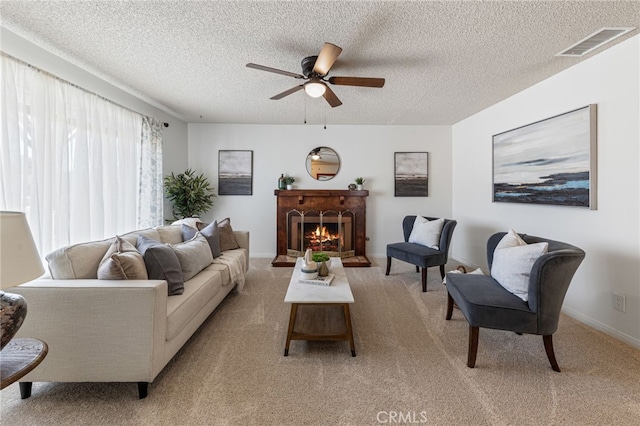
602,327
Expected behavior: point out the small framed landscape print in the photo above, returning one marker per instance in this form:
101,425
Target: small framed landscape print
552,161
235,172
411,174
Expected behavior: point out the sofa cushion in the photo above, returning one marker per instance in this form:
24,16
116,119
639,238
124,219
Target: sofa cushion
194,255
80,261
171,234
209,231
122,262
426,232
162,263
513,260
227,239
197,292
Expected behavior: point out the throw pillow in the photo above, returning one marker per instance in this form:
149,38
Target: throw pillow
122,262
194,255
426,232
209,231
189,221
227,238
162,263
513,260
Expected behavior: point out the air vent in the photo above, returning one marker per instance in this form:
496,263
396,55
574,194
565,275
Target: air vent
594,41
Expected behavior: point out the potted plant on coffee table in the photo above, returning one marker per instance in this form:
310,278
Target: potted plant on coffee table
321,258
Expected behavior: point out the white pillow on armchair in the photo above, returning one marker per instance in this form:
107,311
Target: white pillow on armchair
427,232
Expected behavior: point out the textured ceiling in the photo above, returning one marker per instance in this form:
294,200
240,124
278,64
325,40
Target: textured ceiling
443,61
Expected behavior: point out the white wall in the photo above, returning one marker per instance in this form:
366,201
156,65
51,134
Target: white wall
174,136
609,235
366,151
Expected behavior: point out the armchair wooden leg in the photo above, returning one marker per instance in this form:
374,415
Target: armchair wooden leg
548,346
473,346
442,271
388,265
449,306
424,280
25,389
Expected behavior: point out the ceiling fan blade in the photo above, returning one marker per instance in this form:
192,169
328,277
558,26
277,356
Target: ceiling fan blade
287,92
274,70
326,58
332,98
357,81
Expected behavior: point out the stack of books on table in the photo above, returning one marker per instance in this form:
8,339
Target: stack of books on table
318,281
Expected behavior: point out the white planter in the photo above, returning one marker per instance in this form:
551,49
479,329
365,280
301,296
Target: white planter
360,187
289,186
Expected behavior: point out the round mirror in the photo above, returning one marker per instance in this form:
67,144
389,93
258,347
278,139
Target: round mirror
323,163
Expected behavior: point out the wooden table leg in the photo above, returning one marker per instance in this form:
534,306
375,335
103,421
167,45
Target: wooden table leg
292,323
347,319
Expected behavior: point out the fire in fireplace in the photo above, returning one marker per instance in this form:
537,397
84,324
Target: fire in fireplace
327,231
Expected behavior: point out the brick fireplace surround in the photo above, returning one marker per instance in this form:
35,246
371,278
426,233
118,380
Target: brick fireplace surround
307,200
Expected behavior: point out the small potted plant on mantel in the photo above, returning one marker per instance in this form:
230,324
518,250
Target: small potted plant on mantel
359,182
288,180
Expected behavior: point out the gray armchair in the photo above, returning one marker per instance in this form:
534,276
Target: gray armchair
485,303
419,255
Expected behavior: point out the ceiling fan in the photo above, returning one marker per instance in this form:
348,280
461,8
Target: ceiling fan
315,70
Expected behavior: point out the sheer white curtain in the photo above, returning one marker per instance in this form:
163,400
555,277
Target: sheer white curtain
69,159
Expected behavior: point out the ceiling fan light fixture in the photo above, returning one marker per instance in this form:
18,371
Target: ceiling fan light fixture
314,88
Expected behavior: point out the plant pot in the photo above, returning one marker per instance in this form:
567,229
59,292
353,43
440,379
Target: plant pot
289,186
359,186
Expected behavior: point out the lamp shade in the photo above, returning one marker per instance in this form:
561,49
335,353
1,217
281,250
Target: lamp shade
314,88
19,258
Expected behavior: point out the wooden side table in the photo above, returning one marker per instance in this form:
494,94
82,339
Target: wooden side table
18,358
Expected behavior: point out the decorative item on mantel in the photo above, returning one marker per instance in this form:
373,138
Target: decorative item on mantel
288,180
359,182
281,184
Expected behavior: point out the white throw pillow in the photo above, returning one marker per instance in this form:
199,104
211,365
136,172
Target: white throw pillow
477,271
426,232
513,260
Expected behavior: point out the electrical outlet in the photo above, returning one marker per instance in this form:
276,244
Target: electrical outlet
619,302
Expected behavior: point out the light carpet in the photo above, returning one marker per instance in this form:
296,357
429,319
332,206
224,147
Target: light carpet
410,368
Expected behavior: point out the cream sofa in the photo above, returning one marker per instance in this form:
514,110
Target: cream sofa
119,330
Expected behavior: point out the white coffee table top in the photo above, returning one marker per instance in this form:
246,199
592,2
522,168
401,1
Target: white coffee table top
338,292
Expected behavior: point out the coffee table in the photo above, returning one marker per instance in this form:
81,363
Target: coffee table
320,312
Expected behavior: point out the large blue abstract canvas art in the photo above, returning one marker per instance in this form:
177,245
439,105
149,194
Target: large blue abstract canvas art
552,161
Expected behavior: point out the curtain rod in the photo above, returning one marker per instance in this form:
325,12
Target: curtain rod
48,74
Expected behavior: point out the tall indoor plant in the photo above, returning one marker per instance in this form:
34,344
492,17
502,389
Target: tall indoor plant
190,194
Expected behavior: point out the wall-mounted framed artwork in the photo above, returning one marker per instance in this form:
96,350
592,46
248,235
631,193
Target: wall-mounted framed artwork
235,172
411,174
552,161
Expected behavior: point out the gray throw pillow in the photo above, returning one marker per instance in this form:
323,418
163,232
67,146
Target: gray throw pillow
194,255
122,262
209,231
162,263
227,238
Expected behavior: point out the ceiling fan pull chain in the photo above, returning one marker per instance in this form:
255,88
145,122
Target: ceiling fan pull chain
305,110
325,116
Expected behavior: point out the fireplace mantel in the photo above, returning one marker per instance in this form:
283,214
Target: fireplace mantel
321,200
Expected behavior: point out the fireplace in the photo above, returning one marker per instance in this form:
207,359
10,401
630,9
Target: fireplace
327,231
332,221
